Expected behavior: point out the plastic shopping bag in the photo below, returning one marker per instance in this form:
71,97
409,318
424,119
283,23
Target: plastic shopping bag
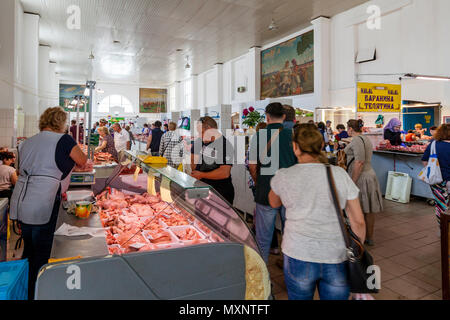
431,174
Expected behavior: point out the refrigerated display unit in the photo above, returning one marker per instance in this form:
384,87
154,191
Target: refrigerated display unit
221,262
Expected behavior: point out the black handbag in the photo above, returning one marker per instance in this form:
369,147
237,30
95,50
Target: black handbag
359,260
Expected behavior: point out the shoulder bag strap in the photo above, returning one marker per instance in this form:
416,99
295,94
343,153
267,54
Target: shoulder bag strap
269,146
337,206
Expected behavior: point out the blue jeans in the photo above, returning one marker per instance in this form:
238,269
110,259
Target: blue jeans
265,218
302,278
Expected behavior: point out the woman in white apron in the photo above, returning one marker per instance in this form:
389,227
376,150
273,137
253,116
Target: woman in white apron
45,164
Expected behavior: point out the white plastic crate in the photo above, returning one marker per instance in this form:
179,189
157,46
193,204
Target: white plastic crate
398,187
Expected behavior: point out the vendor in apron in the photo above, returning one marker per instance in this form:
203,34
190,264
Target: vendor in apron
45,164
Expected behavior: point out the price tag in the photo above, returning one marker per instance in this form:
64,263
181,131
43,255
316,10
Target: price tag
165,190
151,190
136,173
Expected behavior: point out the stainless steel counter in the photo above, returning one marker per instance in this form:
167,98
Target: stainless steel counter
85,246
104,171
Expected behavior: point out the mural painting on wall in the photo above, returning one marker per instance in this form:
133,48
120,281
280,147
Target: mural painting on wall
152,100
288,68
67,93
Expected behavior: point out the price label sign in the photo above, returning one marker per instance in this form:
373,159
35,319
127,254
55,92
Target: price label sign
165,190
151,190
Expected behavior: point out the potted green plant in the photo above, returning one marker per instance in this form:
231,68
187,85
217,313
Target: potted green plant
252,117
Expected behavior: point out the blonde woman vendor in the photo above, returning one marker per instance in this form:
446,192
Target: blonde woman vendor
46,161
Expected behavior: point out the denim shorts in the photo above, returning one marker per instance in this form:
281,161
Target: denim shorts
303,278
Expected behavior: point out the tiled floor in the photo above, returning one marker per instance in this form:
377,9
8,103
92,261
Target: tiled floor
407,250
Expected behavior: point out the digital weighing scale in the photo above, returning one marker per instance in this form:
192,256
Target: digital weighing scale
82,178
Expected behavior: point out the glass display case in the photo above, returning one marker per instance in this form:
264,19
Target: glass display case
172,235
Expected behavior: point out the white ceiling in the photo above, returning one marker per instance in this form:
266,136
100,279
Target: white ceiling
150,31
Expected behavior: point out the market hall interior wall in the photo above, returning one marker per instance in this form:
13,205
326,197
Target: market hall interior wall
413,39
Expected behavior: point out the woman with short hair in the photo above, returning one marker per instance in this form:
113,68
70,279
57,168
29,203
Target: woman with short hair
46,161
107,143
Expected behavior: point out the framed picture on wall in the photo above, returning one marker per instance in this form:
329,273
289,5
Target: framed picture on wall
446,120
67,93
287,69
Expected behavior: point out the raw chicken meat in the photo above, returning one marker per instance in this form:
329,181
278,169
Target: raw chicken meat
187,234
159,237
135,220
142,210
88,167
174,220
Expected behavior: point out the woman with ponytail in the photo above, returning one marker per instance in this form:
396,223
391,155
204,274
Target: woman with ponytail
359,157
313,245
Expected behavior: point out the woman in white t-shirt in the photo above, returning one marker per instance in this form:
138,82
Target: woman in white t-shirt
8,175
313,244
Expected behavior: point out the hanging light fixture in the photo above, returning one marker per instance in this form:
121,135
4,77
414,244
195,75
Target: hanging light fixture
426,77
188,66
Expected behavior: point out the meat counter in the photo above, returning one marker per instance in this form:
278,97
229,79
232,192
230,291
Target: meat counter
166,236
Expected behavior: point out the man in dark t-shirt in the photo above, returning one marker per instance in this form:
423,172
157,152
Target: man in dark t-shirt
213,157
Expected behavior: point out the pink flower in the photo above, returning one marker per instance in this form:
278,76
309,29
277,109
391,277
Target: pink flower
251,109
245,112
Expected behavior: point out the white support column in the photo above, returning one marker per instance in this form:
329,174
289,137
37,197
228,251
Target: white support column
195,104
54,86
322,58
30,78
7,63
254,82
44,78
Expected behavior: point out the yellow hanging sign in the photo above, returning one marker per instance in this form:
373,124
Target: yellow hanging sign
378,97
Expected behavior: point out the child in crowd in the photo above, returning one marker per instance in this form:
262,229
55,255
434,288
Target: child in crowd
341,135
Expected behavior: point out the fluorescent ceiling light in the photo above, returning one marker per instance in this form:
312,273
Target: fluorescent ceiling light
432,78
425,77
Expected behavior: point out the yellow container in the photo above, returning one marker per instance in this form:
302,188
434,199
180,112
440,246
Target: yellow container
83,209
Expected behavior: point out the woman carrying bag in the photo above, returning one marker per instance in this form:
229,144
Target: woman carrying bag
315,254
